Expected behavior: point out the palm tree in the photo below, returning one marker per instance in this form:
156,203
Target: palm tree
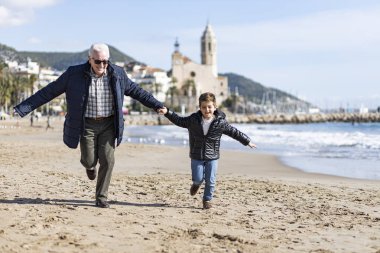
18,84
12,85
31,80
7,88
3,86
189,91
188,88
172,91
157,88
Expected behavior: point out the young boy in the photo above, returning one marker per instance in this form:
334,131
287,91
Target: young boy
205,130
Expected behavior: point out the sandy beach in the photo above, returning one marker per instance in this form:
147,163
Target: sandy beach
260,205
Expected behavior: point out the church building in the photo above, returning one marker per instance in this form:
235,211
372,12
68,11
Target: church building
194,78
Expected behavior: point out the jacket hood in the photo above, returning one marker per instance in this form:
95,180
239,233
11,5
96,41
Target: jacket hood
219,114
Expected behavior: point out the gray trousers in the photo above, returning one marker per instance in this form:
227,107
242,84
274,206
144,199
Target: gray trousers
98,144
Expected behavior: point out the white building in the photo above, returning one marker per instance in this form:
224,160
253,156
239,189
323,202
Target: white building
48,75
203,76
28,68
152,79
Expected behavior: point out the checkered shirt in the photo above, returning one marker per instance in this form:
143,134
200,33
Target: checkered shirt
100,98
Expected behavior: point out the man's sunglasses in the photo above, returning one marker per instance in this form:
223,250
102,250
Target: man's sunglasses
105,62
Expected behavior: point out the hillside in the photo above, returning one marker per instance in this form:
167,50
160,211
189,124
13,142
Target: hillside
57,60
257,92
250,89
10,54
61,61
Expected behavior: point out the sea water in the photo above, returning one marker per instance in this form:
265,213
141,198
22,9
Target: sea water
341,149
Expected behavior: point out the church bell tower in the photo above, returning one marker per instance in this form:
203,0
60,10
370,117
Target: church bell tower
208,49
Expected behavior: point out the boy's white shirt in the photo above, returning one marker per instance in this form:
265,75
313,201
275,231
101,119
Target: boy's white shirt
206,124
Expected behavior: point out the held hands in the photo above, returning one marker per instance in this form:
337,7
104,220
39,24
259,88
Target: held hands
252,145
162,111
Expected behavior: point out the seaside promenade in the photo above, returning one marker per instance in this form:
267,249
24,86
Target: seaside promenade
305,118
153,119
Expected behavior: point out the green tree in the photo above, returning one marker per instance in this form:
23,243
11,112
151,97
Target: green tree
31,81
188,88
173,93
189,91
157,87
5,89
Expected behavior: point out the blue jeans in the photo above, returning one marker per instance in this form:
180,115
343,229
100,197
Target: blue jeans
205,170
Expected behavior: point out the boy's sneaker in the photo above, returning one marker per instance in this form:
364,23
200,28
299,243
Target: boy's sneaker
194,189
206,204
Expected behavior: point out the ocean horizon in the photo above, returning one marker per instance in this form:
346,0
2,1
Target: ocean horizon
340,149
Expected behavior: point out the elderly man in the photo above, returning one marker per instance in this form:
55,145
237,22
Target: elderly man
94,93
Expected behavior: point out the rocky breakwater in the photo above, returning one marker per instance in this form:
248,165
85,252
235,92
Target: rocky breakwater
305,118
146,120
154,119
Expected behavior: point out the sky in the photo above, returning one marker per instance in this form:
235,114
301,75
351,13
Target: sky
324,51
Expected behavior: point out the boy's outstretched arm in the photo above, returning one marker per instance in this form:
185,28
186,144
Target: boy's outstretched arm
175,119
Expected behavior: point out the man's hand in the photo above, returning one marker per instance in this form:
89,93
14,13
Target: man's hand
252,145
162,110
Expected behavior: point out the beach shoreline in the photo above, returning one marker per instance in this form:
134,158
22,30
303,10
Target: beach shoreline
260,205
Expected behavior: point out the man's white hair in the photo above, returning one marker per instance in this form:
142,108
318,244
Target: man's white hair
99,47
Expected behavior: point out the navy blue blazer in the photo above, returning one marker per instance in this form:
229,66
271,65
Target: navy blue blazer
75,82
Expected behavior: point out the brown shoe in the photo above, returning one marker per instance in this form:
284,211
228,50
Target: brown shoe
206,204
194,189
91,173
102,203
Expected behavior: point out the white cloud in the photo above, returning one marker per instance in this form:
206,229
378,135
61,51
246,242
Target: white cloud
324,31
19,12
319,56
10,17
34,40
23,4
